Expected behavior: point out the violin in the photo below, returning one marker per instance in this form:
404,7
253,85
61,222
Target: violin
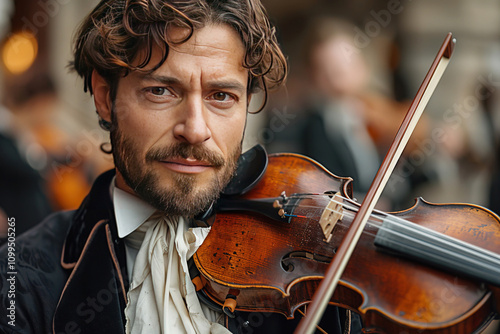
253,260
287,233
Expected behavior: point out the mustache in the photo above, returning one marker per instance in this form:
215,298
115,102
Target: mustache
185,151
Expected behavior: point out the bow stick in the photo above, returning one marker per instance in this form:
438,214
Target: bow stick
332,276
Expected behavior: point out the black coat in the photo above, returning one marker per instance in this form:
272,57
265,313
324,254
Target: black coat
69,276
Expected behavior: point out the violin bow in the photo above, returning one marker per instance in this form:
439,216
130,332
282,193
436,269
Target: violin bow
336,268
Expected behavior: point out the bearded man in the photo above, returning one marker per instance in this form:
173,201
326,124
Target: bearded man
171,81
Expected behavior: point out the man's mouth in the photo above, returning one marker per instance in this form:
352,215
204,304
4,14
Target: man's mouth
187,166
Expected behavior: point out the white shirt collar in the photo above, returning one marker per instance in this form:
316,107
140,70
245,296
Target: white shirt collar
130,211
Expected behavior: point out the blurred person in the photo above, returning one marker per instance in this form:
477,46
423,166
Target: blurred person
462,155
171,82
345,125
21,184
491,105
35,104
22,188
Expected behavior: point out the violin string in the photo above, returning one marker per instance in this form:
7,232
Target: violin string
488,262
402,237
443,239
439,237
468,248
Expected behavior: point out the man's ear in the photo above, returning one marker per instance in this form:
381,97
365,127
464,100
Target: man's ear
102,97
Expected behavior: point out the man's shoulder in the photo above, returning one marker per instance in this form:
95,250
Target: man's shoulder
47,236
31,273
36,252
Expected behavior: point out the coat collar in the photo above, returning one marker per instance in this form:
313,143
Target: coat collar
96,206
94,296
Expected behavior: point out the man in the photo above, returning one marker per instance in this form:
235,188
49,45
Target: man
172,82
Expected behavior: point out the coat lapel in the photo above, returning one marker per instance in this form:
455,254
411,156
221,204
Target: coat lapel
94,296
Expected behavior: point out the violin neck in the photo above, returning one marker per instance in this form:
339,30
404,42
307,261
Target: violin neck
439,250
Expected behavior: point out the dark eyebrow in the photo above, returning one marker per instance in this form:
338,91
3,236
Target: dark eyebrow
228,84
161,78
222,84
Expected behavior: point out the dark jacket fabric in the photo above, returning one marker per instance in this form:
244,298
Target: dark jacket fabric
66,272
68,275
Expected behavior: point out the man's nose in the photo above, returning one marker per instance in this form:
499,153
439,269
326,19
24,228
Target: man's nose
192,125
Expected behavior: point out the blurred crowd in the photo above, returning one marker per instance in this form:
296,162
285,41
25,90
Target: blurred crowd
43,166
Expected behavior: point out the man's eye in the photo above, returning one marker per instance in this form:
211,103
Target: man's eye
220,96
159,91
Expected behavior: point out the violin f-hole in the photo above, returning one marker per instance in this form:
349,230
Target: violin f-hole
299,258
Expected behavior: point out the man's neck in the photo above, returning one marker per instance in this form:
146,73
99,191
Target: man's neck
121,184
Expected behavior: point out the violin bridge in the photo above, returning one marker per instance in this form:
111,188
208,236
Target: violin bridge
331,215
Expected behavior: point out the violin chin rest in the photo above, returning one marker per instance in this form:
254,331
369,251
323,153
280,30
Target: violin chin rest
251,167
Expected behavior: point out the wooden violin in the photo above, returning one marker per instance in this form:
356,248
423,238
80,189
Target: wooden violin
253,262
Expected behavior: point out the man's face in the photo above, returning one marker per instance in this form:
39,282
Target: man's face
178,131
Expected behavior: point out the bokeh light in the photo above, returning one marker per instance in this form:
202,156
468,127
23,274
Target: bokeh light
19,52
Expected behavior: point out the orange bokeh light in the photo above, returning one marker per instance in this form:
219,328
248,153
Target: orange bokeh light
19,52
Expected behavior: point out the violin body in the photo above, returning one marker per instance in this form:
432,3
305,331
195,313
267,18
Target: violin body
268,265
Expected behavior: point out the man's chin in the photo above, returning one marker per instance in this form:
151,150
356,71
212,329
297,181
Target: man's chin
184,196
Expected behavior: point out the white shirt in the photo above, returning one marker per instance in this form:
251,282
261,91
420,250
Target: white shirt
130,213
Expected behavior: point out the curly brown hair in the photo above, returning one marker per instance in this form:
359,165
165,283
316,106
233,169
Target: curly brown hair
114,33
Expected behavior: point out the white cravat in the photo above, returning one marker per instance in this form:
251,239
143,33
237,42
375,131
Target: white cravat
157,249
161,297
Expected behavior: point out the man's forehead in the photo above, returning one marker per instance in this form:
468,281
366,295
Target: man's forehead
219,43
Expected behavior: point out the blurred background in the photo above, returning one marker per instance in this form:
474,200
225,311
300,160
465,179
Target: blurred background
354,68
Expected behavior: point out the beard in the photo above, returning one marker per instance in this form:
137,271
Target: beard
185,197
